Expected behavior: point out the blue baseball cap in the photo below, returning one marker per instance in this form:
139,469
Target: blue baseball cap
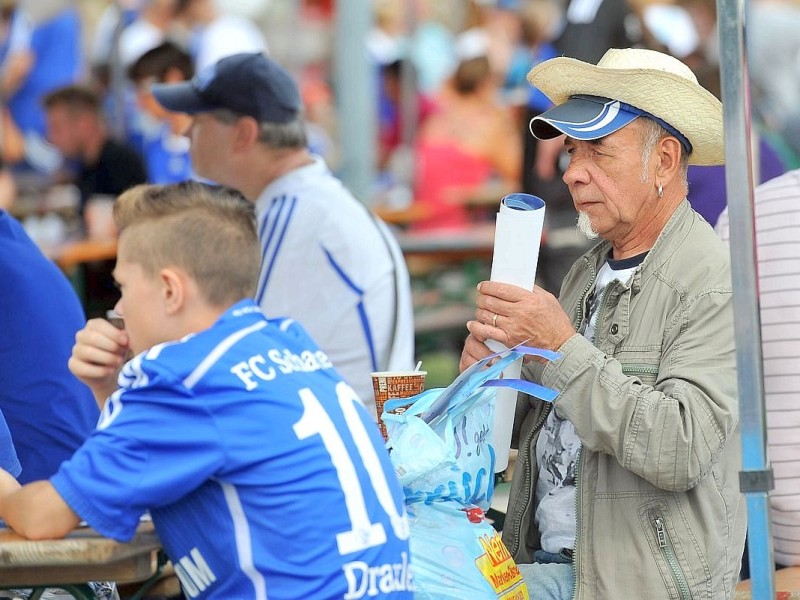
248,84
585,117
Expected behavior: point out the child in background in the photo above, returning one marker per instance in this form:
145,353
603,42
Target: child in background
164,145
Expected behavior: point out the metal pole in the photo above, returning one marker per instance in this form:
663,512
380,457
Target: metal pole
409,105
117,78
356,93
756,477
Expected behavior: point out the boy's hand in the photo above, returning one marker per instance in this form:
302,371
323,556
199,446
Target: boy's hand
99,352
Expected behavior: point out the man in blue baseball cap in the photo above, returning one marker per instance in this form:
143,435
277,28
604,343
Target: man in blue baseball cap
248,84
325,260
626,485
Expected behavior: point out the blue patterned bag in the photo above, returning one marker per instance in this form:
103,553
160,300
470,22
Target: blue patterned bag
440,446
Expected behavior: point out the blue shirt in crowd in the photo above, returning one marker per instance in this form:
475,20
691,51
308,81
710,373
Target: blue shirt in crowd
49,412
8,456
56,46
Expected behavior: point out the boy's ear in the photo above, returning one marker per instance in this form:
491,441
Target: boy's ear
173,290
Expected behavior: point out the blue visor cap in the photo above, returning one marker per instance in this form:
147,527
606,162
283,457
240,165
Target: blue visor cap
592,117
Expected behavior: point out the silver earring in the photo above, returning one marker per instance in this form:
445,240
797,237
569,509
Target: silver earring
660,191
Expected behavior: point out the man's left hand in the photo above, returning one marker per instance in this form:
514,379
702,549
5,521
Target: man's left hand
513,315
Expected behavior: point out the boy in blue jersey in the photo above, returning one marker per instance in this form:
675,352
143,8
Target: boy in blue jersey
264,474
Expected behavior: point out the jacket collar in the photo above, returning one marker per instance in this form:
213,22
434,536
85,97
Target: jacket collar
676,228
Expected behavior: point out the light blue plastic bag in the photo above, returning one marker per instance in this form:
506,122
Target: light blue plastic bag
440,446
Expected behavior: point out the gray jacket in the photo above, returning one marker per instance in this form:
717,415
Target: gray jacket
654,402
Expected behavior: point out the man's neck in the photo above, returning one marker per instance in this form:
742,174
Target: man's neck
179,123
643,238
203,14
271,165
94,146
158,16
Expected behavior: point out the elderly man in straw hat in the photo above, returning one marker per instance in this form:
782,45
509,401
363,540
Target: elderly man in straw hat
626,485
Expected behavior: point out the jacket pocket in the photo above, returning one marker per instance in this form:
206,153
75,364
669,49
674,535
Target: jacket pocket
674,550
647,373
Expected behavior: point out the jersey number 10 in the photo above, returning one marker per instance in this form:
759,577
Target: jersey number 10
316,421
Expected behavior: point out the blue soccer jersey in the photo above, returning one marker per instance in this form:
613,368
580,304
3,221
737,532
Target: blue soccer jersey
167,157
8,455
262,471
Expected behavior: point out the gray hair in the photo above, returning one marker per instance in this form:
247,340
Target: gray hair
274,135
652,133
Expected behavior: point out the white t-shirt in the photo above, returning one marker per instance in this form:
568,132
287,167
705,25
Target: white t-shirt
558,445
326,262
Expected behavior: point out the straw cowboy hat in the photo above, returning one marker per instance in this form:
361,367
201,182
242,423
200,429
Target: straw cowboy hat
649,81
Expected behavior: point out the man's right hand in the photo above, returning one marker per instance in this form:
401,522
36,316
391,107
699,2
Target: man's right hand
99,352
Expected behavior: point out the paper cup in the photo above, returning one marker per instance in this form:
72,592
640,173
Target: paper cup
389,385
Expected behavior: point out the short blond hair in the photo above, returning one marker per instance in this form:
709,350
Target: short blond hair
208,231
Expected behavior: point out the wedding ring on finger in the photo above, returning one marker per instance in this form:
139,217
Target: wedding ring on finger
494,320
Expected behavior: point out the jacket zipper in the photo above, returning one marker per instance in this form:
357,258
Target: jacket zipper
575,549
672,561
582,304
643,369
526,490
575,554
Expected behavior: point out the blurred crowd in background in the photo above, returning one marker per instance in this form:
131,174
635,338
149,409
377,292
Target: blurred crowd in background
452,103
466,61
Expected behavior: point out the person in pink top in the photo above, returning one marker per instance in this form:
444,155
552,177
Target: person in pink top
469,146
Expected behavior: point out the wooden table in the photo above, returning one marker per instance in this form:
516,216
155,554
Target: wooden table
476,241
84,555
482,205
425,251
402,217
71,254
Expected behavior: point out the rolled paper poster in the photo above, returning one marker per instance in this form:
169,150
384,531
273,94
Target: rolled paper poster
517,237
